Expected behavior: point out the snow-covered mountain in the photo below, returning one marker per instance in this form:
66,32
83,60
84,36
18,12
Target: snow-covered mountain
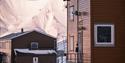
42,15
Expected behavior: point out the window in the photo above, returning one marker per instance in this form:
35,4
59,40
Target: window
71,10
34,45
80,40
35,59
104,35
71,44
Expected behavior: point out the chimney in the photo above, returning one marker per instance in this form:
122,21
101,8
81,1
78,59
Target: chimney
22,30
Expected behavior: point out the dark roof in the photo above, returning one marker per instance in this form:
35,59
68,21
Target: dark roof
14,35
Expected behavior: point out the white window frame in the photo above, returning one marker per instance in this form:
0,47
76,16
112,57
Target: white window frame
34,43
2,45
35,60
71,10
106,44
71,43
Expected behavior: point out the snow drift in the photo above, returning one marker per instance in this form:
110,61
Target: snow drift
34,51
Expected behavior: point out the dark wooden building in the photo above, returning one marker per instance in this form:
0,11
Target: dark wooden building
108,21
98,26
28,47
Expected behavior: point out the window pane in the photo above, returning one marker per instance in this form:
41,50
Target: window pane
34,45
104,34
71,42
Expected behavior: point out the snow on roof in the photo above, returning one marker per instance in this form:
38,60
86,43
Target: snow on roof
14,35
34,51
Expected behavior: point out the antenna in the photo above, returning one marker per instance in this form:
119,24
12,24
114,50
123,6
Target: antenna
22,30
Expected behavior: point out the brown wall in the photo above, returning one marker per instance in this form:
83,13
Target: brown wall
45,42
71,25
110,12
75,27
6,49
41,59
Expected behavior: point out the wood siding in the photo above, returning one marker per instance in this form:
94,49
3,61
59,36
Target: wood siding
6,49
41,59
80,35
45,42
72,26
109,12
84,7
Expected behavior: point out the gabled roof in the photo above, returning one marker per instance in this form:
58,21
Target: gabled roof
14,35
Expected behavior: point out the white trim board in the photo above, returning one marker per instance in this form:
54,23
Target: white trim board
106,44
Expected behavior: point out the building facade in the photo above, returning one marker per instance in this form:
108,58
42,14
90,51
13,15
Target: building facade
95,31
79,38
107,29
28,47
